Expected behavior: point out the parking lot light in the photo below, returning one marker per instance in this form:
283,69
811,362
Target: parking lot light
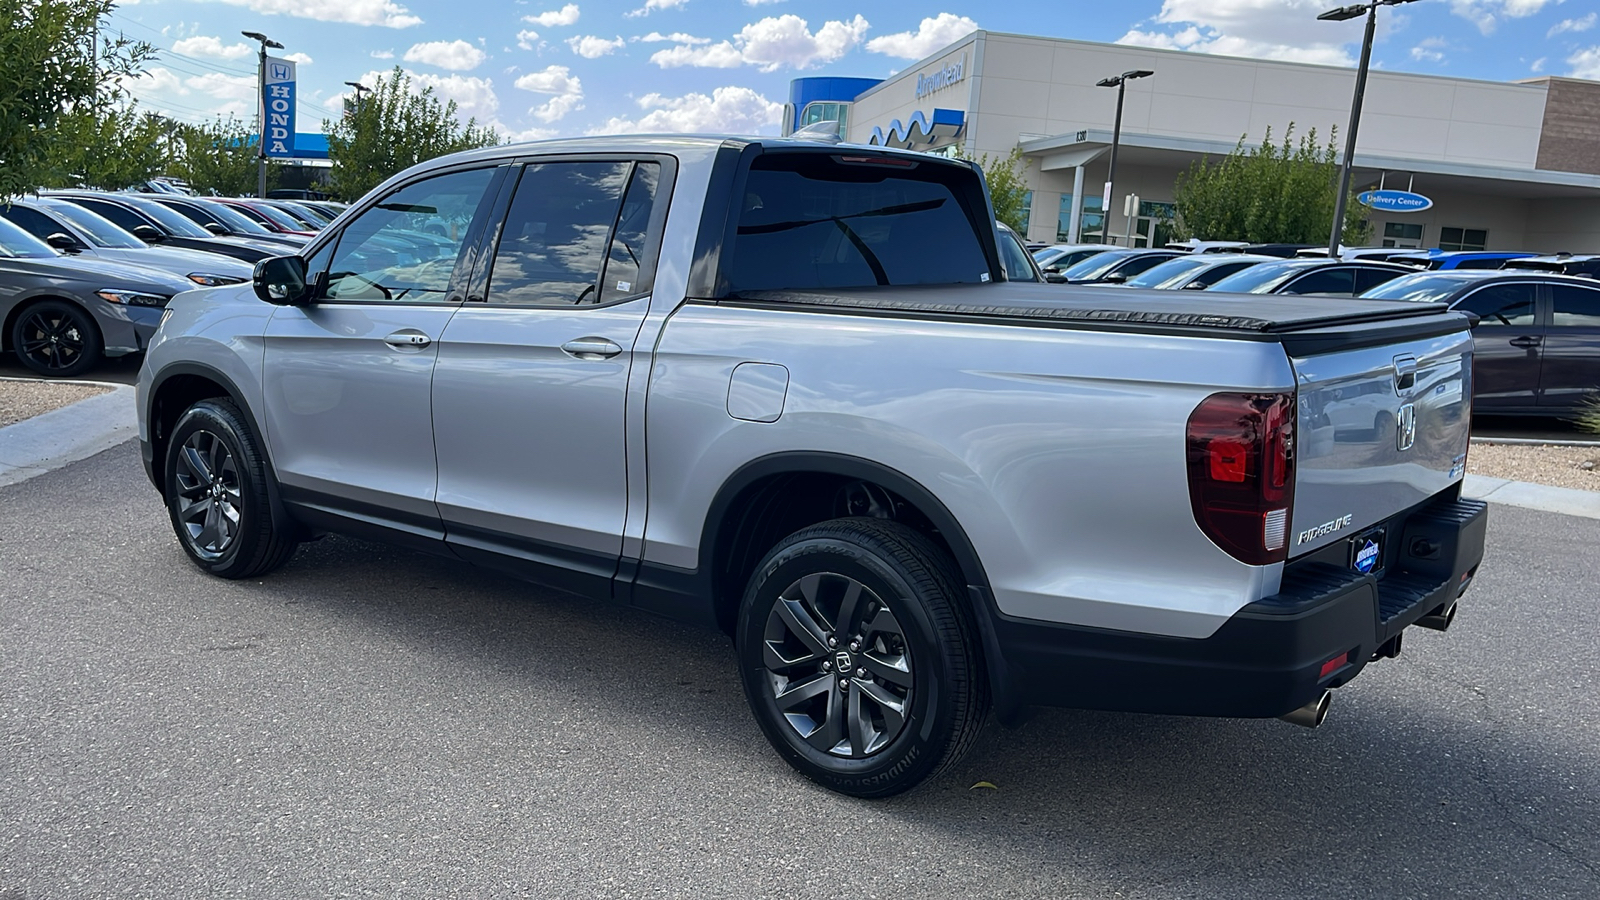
1344,14
1119,82
261,109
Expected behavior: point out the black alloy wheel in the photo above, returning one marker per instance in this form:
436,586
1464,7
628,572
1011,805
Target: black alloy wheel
857,659
56,338
217,497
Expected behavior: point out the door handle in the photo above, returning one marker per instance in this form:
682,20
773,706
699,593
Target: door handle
591,348
1526,341
408,339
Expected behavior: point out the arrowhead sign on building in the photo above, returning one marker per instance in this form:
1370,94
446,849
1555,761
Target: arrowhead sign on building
278,117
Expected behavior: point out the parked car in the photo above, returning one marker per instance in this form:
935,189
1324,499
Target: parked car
61,315
1450,260
1194,272
1371,254
155,224
1281,251
1112,266
269,216
1195,245
1054,259
1561,263
76,231
903,484
222,219
1537,341
1014,256
316,219
1322,277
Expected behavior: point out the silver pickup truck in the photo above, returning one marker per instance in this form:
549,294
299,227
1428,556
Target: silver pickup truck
783,388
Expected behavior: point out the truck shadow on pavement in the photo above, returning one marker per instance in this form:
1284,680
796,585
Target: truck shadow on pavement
1414,787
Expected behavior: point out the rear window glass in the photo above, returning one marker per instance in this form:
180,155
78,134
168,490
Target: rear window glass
812,220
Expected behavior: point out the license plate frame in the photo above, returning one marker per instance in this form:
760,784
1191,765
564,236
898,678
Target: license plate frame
1357,547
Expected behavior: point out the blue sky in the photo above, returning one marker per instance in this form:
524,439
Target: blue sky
533,68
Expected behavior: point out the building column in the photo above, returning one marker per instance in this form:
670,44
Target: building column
1075,223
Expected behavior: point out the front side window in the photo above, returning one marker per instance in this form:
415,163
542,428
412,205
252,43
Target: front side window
101,232
1501,304
33,222
1574,306
576,233
405,247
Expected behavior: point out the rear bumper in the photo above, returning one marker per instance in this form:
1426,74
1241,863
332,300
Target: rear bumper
1269,657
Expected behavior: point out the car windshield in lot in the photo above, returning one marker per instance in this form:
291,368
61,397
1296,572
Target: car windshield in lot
101,232
1264,278
1171,273
1425,287
1096,265
179,225
18,244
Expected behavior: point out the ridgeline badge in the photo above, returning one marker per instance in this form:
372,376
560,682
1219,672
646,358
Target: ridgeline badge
941,79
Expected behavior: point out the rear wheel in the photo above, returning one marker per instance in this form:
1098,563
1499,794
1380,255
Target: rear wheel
56,338
857,658
216,486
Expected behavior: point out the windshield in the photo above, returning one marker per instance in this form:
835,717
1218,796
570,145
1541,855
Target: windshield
1424,287
1170,274
99,230
235,220
305,214
179,225
1096,265
18,244
1259,279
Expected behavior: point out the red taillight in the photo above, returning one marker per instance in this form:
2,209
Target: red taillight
1241,473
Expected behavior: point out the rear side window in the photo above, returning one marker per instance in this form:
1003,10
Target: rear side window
1327,282
126,218
1502,304
1575,306
1367,279
822,220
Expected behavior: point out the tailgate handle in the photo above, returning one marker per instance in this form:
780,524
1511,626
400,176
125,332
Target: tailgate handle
1405,372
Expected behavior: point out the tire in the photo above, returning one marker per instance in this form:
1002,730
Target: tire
56,338
914,697
216,492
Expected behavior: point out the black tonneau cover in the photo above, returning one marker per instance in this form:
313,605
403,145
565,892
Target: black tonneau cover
1311,324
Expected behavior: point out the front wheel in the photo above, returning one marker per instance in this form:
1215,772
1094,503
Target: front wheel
56,338
857,658
216,487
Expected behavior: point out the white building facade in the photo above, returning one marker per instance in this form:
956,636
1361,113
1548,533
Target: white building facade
1508,166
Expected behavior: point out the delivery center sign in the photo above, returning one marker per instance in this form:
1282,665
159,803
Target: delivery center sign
277,96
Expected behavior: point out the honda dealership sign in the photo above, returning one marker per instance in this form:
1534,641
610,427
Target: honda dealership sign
278,116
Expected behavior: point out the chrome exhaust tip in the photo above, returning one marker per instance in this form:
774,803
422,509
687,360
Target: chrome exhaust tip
1312,714
1439,619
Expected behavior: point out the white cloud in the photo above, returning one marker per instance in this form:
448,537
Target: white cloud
1430,50
458,56
677,37
770,44
650,5
382,54
475,97
932,34
160,79
559,81
303,59
525,39
201,45
528,134
1485,13
236,93
354,12
735,110
760,2
1263,29
591,47
1583,23
1538,65
1585,64
566,15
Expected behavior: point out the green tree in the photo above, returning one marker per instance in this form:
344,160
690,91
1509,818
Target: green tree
54,64
395,126
1008,188
1273,193
220,157
111,146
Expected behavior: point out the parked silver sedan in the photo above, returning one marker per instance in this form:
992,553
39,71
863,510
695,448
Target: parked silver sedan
61,315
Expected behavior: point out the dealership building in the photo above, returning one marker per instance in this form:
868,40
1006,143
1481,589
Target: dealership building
1507,166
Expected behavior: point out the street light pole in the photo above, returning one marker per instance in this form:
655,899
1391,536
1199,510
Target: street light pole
261,109
360,89
1120,82
1342,14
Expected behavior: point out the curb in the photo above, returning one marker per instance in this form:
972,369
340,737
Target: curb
1544,498
63,436
1535,442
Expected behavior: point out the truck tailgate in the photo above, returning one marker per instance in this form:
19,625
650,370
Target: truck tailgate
1381,429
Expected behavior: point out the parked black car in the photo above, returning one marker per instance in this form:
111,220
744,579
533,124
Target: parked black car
1587,264
1112,266
1322,277
1536,347
222,219
155,224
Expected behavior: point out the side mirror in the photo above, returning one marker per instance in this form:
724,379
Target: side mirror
215,228
1196,286
1115,278
148,234
61,241
281,281
1054,277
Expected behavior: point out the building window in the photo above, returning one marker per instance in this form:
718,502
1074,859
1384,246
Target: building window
1463,239
1027,212
1092,228
1402,234
826,112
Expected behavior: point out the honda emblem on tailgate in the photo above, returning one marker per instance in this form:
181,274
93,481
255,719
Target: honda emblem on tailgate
1406,426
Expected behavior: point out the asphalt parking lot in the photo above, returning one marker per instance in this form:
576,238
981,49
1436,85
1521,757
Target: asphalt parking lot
374,723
